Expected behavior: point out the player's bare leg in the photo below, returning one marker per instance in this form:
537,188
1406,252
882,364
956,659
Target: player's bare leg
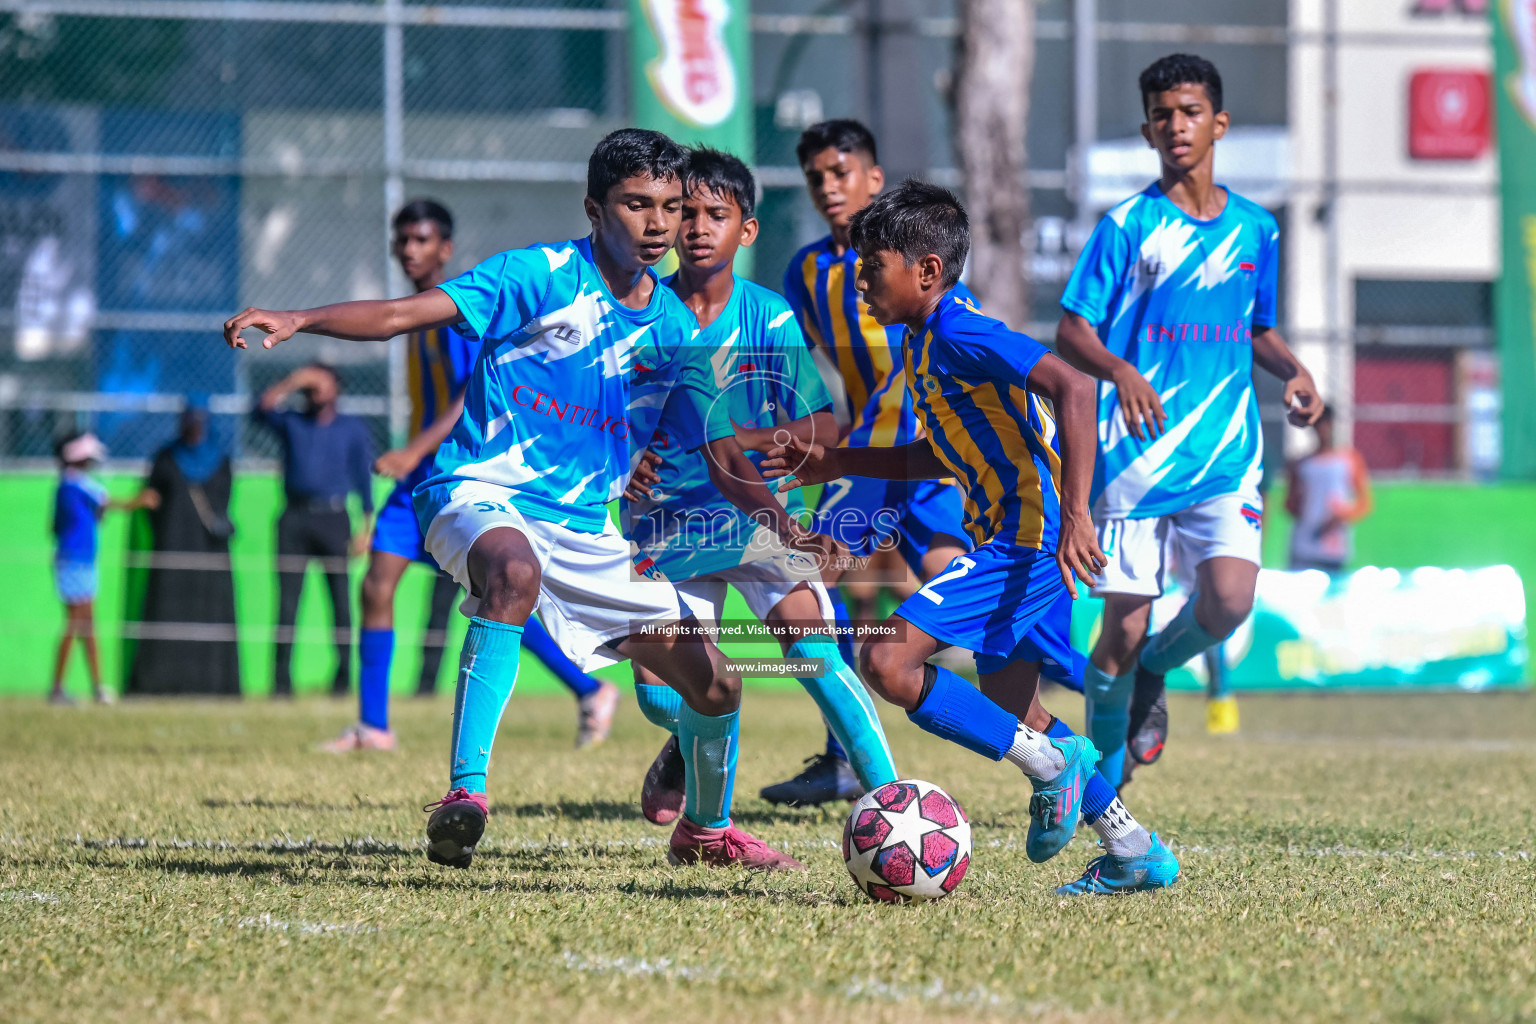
1223,598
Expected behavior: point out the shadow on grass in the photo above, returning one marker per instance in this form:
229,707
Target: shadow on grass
613,810
261,803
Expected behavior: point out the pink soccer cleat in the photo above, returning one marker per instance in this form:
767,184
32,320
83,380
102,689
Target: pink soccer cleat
359,737
594,715
456,825
725,847
661,798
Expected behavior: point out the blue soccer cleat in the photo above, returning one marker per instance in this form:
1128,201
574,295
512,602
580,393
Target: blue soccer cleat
1109,875
1056,805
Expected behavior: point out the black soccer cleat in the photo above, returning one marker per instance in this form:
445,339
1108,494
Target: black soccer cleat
1148,732
662,795
455,827
824,779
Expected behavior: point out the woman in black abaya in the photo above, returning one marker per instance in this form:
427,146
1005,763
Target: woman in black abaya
186,630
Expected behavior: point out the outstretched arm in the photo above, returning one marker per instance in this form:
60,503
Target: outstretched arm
807,428
1302,406
1072,395
369,320
738,480
798,464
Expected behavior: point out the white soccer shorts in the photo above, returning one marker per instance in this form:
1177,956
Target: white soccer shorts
762,585
589,593
1143,552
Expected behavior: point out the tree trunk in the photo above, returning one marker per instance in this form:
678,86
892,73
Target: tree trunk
995,60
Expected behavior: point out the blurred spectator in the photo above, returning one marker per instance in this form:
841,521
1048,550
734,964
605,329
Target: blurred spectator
325,456
1327,493
78,506
185,598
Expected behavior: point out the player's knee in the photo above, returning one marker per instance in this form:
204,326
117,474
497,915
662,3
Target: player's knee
1225,612
886,668
511,586
378,593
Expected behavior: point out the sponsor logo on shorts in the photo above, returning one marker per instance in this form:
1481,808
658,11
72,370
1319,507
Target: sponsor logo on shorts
1254,517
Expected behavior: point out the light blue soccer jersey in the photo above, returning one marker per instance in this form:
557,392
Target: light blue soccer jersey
760,373
568,386
1179,298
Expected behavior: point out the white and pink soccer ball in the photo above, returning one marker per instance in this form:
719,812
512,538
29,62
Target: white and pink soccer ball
907,842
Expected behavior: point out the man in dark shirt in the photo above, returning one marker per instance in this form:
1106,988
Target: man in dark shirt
325,456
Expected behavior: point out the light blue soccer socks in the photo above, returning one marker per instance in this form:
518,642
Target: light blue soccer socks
375,650
1108,703
848,710
660,705
956,711
1177,642
542,646
708,743
487,673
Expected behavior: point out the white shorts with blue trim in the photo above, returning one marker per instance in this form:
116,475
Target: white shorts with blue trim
1144,554
589,593
762,585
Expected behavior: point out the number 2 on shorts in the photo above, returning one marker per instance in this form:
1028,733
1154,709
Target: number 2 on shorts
965,564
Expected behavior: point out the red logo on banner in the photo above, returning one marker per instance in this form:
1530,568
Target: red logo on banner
1448,114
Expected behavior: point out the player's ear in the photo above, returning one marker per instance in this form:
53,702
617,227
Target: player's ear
749,229
930,271
1223,121
594,211
447,250
876,178
1146,133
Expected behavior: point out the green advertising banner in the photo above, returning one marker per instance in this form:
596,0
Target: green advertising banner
1371,629
691,75
1514,61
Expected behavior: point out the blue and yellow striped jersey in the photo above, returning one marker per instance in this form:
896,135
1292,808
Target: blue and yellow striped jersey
819,285
437,365
967,376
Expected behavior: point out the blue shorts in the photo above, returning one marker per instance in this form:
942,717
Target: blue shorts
396,531
864,514
1005,604
75,581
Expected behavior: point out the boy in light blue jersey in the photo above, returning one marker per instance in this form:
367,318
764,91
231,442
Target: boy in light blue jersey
977,387
919,519
1170,305
438,363
580,347
688,515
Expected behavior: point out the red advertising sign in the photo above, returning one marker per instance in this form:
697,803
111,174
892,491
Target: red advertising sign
1449,114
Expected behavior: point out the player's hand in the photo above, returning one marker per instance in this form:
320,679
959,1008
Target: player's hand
1302,405
644,478
1077,551
277,325
396,463
800,463
1139,403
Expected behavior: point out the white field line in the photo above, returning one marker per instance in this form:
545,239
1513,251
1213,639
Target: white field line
18,896
368,845
266,922
637,967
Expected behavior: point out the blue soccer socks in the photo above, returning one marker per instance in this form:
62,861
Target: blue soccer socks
850,713
542,646
1177,642
1108,702
659,704
375,650
709,745
487,673
957,711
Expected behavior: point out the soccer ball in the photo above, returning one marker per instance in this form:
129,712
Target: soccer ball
907,841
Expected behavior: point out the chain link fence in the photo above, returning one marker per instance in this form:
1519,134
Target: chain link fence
165,162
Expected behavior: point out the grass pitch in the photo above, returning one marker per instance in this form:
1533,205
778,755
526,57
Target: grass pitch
1345,859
